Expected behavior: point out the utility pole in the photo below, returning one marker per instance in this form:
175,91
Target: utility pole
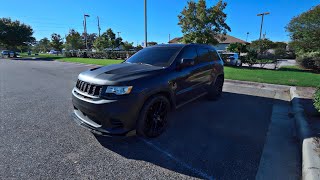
262,17
99,29
169,39
145,25
85,29
247,36
118,34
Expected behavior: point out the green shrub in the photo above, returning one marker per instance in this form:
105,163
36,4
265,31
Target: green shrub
100,55
251,58
309,60
316,99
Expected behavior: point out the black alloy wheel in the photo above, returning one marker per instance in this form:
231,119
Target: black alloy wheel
153,117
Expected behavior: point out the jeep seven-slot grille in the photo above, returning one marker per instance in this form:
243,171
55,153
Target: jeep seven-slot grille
91,89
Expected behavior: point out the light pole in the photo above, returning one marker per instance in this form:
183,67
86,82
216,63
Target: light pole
262,17
247,36
85,29
145,25
99,29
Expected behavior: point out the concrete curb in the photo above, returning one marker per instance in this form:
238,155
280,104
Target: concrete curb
311,159
310,149
302,127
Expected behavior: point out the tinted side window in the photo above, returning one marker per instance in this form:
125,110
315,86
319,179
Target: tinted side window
214,55
203,55
188,53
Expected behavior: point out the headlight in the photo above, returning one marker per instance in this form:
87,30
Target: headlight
119,90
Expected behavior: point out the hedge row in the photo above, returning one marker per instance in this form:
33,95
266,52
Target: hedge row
309,60
100,55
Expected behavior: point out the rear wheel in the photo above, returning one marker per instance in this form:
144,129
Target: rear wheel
215,89
153,116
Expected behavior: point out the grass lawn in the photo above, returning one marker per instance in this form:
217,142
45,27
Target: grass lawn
75,59
91,61
289,75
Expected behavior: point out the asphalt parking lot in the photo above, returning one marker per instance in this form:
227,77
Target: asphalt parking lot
224,139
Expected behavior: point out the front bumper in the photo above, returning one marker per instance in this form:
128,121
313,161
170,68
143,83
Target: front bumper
106,117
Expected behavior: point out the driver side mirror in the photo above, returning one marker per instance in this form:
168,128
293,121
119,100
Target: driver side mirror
185,63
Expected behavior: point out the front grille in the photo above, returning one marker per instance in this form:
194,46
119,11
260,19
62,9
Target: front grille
91,89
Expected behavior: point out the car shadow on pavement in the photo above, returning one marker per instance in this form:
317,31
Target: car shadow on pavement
221,139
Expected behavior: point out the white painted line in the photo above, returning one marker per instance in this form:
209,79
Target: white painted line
183,164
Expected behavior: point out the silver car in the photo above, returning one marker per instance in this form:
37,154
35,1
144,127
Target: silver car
232,59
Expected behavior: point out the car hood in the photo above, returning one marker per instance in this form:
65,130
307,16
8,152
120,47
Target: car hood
117,73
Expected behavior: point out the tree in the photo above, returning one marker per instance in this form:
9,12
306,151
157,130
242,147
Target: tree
251,58
304,31
44,45
280,45
15,33
100,43
56,42
90,39
74,40
152,43
36,48
22,48
138,48
117,42
204,25
237,47
110,36
262,45
127,46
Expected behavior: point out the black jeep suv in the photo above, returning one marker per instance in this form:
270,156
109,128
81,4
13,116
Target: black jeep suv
139,93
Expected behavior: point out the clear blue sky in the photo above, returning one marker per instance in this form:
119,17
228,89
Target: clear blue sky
127,17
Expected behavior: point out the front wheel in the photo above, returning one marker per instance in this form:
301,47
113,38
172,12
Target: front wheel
153,116
215,89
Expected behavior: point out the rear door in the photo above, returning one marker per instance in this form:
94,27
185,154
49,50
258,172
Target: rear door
204,65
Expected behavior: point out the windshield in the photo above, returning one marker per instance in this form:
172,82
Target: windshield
156,56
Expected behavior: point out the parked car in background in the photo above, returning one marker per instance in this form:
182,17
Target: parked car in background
5,53
232,59
12,54
54,52
139,93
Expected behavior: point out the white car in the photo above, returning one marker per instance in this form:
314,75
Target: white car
232,59
54,52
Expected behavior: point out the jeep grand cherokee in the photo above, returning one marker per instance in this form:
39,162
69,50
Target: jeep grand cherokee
139,93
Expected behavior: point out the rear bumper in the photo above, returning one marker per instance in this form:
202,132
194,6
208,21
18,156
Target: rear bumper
106,117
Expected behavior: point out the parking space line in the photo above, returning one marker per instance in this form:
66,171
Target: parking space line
183,164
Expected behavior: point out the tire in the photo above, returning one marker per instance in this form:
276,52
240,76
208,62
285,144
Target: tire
153,117
215,89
